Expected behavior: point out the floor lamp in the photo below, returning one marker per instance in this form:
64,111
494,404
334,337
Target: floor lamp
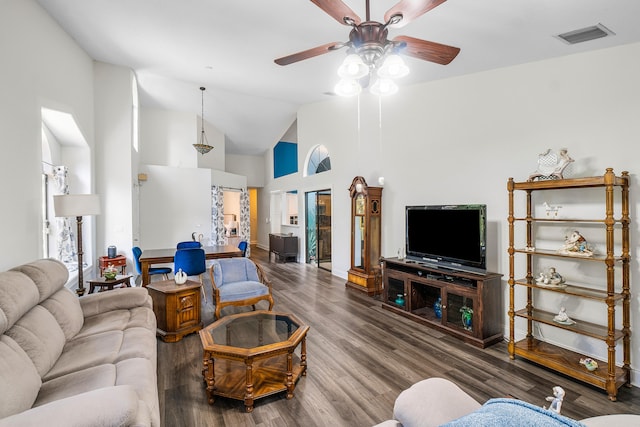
77,205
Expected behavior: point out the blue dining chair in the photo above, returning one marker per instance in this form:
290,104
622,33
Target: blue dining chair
243,247
152,270
190,244
193,263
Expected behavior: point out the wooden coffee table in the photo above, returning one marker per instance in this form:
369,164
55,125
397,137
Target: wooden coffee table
252,355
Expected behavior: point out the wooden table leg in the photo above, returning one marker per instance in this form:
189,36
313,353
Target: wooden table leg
145,273
208,373
303,356
289,381
248,396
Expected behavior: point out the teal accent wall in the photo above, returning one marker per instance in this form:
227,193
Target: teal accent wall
285,159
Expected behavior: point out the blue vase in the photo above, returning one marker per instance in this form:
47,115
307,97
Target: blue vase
437,308
400,299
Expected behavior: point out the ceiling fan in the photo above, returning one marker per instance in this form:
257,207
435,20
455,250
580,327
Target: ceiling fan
368,39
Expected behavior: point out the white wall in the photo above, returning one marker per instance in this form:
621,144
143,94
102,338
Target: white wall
174,203
114,177
166,138
250,166
41,67
459,140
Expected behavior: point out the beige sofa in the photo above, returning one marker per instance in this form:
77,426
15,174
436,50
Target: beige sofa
69,361
438,402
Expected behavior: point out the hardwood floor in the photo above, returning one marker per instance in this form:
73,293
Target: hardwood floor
360,357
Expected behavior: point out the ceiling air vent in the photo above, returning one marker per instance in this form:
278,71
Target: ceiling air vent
585,34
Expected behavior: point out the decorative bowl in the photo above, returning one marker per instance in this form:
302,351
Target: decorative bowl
110,275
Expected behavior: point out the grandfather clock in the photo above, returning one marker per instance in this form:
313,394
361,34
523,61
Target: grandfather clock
366,210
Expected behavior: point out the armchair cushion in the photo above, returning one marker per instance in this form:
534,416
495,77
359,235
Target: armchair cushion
242,290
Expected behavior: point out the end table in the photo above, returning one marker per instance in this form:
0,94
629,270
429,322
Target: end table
103,282
177,308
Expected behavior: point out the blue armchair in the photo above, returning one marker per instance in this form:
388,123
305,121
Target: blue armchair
193,263
152,270
238,282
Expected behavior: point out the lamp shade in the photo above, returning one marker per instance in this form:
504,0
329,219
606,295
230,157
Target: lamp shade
76,205
393,67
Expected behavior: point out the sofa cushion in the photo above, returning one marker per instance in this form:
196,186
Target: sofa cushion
49,276
40,336
513,413
64,305
103,348
19,379
18,294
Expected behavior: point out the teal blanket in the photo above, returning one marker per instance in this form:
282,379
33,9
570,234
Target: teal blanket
513,413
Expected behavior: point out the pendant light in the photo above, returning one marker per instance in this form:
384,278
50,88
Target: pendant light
203,146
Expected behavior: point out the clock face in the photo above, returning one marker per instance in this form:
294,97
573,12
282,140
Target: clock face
360,202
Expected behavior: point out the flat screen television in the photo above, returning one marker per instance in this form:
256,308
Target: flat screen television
448,236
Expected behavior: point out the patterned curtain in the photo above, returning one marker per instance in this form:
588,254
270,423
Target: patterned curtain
218,236
65,236
245,219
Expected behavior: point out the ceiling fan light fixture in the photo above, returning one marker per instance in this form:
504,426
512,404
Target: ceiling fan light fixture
347,87
393,67
384,87
353,67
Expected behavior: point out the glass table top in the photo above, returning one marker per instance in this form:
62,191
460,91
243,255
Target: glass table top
252,329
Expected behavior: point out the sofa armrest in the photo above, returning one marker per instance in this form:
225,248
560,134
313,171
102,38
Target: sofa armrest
117,299
110,406
432,402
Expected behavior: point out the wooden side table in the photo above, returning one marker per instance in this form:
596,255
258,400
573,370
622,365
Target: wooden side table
119,261
177,308
102,282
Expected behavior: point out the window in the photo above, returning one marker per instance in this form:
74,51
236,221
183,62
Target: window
318,160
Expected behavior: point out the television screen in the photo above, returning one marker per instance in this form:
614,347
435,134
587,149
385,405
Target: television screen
451,236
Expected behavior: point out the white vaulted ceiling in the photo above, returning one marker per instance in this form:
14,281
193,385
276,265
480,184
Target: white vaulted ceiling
228,46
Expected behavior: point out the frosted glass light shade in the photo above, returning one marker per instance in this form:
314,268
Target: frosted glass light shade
393,67
353,67
383,87
347,87
76,205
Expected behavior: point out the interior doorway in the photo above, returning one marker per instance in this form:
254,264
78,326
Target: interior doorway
318,230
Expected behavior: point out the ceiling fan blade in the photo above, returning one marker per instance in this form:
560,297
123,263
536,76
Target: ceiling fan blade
338,10
310,53
410,10
428,51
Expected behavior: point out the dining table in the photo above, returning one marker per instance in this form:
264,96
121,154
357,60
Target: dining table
163,256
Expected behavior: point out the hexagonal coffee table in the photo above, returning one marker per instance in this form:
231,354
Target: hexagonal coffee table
252,355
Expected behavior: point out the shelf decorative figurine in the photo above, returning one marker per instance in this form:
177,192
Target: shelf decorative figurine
589,363
550,279
551,165
576,245
563,318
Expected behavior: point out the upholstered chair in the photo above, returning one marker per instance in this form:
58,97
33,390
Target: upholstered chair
193,263
238,282
243,247
152,270
189,244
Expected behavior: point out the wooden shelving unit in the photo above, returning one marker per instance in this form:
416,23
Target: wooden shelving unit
612,295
